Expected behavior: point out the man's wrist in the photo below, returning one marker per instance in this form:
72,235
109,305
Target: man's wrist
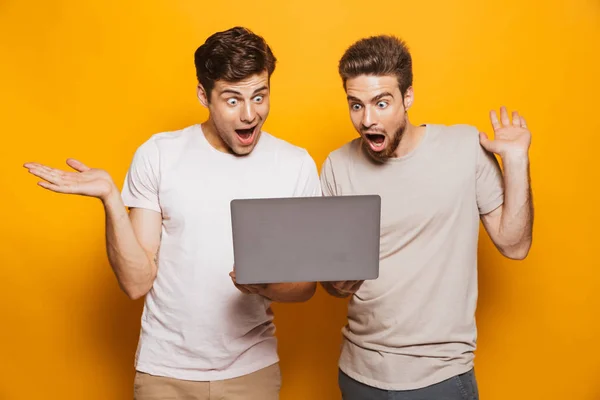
515,158
112,199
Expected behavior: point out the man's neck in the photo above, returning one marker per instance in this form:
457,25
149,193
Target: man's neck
213,137
410,140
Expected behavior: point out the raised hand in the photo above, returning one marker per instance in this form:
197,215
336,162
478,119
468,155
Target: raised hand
510,138
84,181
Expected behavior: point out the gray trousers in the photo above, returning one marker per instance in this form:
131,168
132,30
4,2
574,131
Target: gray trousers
460,387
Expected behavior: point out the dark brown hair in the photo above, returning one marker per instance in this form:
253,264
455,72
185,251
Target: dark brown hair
378,55
232,55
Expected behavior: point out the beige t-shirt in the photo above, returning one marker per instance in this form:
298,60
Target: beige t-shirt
414,326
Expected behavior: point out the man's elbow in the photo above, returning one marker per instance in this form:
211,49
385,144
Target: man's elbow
135,295
135,292
518,252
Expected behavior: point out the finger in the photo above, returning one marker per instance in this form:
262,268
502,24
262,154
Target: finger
55,188
339,285
504,116
344,287
37,166
242,288
259,286
516,119
77,165
485,142
232,275
252,289
494,120
59,173
356,286
29,165
49,176
59,181
523,123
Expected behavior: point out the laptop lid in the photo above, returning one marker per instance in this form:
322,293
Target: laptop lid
306,239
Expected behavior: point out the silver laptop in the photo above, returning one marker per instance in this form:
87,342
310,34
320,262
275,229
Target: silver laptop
306,239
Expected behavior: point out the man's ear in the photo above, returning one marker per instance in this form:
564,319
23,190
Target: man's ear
202,96
409,98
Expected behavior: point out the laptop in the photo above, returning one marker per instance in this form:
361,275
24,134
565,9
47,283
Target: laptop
306,239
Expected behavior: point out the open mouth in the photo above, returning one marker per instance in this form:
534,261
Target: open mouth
246,136
376,141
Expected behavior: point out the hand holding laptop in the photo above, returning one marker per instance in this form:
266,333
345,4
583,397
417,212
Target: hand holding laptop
342,288
256,288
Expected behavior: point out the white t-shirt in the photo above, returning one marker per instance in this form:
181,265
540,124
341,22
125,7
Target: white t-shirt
196,325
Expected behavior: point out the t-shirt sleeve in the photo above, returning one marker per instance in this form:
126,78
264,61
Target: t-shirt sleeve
141,181
308,181
328,179
490,184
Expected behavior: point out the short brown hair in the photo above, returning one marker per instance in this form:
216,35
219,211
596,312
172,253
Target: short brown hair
232,55
378,55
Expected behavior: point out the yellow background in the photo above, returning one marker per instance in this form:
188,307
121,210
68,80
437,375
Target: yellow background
93,80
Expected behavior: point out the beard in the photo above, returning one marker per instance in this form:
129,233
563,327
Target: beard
388,152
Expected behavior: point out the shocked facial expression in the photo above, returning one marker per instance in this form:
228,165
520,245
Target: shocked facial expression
238,111
378,113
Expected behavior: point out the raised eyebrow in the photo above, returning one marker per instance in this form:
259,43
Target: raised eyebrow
231,91
381,96
352,98
260,89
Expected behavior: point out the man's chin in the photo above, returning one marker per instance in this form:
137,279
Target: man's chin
236,147
241,151
379,155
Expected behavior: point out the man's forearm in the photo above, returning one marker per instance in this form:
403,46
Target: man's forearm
290,292
134,268
517,214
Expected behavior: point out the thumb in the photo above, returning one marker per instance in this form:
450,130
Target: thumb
77,165
485,142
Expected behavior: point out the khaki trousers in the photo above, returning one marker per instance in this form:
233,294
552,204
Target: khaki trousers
260,385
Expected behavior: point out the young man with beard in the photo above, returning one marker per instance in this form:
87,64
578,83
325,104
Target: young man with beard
411,333
201,337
